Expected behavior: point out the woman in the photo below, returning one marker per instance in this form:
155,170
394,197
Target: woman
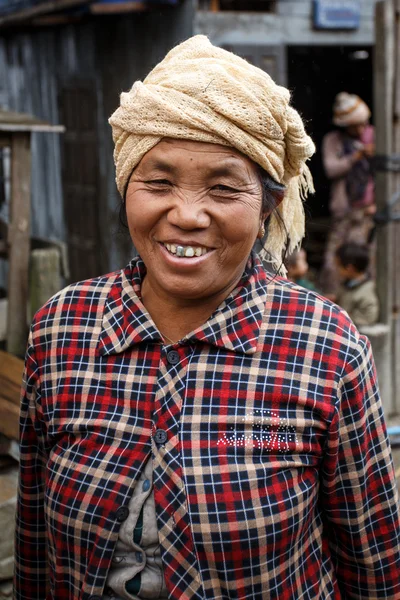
346,156
190,427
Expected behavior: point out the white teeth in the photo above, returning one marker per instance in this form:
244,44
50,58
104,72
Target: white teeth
186,251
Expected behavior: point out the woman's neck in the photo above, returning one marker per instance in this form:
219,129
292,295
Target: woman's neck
176,317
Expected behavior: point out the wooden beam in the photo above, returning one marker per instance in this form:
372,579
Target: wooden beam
41,9
19,243
106,8
214,5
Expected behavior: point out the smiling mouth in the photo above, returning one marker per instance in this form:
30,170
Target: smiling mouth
186,251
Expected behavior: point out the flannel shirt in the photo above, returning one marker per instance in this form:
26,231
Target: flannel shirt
272,471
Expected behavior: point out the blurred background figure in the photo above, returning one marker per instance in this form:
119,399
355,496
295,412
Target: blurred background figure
357,293
346,158
297,269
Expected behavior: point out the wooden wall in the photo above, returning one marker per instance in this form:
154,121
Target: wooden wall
104,55
290,25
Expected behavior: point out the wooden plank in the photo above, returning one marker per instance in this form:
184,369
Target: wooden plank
11,372
19,244
113,8
9,422
40,9
34,127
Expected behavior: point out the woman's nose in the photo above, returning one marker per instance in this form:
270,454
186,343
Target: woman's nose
188,215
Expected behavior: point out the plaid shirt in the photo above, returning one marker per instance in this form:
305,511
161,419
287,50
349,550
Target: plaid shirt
272,471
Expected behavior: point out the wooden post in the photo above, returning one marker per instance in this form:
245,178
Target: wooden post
45,276
383,101
396,225
19,243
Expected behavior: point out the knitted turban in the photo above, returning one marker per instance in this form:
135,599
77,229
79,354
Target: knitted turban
349,109
204,93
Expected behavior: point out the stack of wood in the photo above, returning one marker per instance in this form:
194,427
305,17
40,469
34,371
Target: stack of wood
11,369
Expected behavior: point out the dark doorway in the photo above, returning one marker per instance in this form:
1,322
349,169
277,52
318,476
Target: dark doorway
315,75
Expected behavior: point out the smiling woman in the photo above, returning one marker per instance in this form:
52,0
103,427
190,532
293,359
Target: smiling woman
194,211
192,428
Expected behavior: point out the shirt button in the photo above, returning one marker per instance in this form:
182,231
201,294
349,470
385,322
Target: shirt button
146,485
160,436
173,357
139,557
122,513
117,559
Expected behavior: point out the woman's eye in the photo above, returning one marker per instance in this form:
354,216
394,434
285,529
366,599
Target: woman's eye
159,182
224,188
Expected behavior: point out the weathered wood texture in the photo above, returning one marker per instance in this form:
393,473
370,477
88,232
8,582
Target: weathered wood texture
11,370
105,55
290,25
19,243
396,225
44,276
386,84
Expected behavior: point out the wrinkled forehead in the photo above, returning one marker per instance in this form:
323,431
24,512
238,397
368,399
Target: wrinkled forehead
175,155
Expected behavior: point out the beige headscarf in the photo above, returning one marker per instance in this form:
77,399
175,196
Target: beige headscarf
349,109
204,93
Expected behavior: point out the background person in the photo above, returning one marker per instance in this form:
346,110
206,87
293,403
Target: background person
346,154
357,294
297,269
191,427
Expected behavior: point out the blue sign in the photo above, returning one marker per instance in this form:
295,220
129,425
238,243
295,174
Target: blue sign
337,14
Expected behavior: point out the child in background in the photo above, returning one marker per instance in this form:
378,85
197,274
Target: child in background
357,294
297,269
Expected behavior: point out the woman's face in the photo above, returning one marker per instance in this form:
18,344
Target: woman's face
194,212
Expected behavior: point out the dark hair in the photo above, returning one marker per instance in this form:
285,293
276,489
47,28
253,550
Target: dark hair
356,255
272,191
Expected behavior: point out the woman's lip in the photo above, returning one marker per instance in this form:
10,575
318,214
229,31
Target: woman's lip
183,261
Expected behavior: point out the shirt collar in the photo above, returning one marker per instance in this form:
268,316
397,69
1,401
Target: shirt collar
235,325
351,284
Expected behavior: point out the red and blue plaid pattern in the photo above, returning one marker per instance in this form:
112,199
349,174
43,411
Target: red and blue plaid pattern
275,480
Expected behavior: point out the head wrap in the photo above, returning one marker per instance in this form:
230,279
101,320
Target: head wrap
349,109
204,93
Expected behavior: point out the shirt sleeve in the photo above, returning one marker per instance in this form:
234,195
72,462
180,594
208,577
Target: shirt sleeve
30,579
359,493
336,164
